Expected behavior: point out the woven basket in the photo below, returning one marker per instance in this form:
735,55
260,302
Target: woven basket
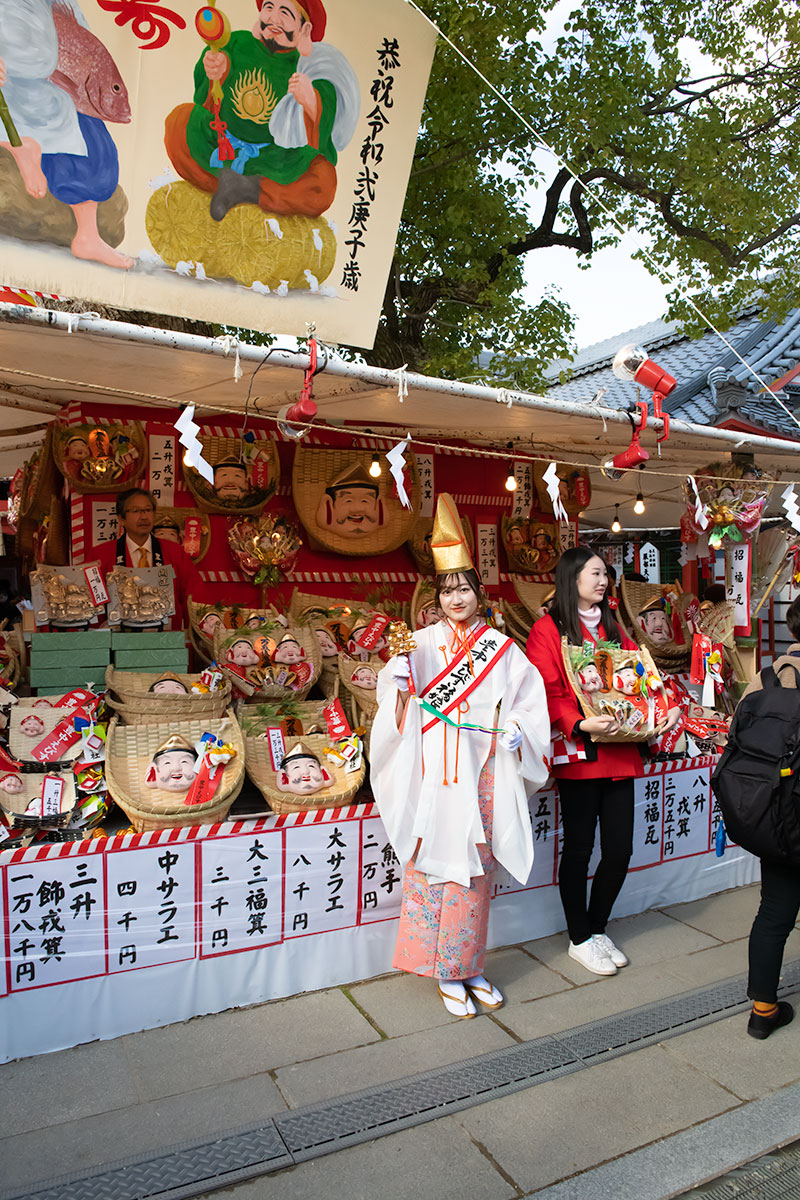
80,481
517,621
420,542
10,667
718,623
636,596
304,605
221,449
391,524
366,699
424,597
20,744
533,595
594,707
257,681
340,792
41,481
14,805
130,749
520,535
181,515
232,617
129,695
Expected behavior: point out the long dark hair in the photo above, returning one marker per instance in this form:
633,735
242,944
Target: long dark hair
564,605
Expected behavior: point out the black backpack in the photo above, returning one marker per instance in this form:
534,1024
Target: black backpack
757,780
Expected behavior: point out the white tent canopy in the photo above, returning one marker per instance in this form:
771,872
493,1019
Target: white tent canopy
51,358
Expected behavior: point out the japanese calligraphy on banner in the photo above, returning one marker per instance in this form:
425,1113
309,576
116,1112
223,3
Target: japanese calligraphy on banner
426,484
162,469
567,535
274,166
105,522
523,494
487,553
137,917
739,586
650,562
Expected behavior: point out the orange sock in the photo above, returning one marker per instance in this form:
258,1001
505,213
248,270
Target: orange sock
763,1009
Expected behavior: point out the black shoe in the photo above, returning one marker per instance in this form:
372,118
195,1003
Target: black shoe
761,1027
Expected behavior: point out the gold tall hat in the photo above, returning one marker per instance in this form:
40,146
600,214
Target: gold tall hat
448,544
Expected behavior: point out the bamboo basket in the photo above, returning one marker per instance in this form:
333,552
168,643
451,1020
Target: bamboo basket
129,750
21,744
41,482
84,484
129,695
424,597
517,622
299,717
366,699
220,449
14,805
670,656
524,555
420,543
533,595
315,469
181,515
258,681
10,666
304,605
232,617
340,792
718,623
619,658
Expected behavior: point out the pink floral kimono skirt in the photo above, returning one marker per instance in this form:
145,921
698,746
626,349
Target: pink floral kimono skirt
443,925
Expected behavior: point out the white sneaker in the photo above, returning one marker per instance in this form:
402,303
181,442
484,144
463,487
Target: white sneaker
590,955
610,950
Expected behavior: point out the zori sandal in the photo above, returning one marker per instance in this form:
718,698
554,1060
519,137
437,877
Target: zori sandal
484,992
458,1005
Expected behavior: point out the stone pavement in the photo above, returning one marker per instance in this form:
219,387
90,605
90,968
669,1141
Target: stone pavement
627,1126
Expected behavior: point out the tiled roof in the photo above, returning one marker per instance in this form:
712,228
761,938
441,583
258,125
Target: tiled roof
771,348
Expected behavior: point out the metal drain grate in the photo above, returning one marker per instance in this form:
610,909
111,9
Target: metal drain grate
773,1177
193,1169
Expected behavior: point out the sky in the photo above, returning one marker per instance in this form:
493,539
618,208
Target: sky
615,294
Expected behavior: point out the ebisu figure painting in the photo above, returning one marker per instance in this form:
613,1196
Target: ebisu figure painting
243,162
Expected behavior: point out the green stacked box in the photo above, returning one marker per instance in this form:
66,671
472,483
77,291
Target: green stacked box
154,651
62,661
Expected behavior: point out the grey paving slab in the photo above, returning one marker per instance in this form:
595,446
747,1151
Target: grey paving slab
726,916
107,1137
432,1162
243,1042
689,1158
707,966
748,1068
52,1088
352,1070
562,1127
627,989
647,938
521,977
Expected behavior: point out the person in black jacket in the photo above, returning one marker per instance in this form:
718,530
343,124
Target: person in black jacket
780,892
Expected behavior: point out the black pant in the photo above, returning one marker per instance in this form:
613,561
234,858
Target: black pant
583,802
777,913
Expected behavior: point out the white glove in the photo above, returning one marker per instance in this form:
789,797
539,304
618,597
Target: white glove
511,738
399,670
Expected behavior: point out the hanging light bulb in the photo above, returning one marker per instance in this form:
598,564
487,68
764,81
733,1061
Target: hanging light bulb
511,482
638,507
616,527
375,466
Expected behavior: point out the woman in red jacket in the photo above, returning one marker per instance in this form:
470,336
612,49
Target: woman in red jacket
599,787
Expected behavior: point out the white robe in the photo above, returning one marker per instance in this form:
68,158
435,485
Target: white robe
416,805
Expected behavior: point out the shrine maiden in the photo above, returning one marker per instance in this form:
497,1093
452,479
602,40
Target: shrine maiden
451,777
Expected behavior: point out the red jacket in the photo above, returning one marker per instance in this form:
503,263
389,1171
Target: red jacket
187,577
606,760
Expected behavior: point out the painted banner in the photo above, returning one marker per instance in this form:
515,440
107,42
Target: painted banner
240,164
